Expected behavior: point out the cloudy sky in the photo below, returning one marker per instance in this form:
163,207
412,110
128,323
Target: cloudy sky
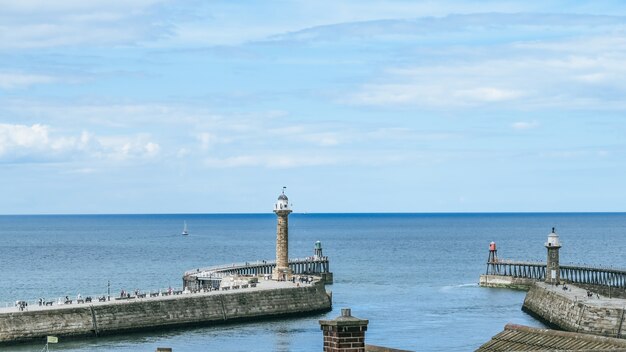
151,106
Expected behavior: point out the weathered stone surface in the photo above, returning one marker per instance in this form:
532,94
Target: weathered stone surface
282,271
501,281
116,317
572,310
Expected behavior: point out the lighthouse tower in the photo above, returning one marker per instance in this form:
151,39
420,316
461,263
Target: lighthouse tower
553,273
282,210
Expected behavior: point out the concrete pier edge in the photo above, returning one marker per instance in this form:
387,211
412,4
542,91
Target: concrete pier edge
572,310
184,311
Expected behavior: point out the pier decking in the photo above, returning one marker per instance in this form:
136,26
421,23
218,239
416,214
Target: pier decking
573,308
266,299
211,276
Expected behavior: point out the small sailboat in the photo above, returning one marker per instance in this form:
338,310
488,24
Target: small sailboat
185,232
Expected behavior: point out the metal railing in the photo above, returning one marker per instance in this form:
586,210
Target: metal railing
583,274
258,263
67,300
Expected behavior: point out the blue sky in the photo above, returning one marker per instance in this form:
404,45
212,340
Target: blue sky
157,106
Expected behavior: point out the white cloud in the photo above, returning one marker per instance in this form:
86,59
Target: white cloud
525,125
170,24
36,24
208,140
15,80
314,158
332,21
326,139
433,92
574,154
270,161
120,148
40,142
572,71
112,115
19,136
489,94
316,134
36,7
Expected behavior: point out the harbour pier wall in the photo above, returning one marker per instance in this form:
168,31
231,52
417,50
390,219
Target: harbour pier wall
103,318
502,281
572,309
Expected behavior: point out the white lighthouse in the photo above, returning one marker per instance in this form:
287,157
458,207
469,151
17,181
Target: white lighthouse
553,272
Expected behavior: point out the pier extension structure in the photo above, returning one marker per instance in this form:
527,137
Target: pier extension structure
283,269
522,274
580,299
211,278
210,296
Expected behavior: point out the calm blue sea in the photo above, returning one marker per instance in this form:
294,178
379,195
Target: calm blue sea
414,276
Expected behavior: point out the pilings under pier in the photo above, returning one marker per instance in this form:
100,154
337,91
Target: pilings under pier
518,271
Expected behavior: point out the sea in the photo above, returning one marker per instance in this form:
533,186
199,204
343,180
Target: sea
413,276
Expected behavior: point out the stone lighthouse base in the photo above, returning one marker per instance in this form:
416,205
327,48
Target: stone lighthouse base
282,274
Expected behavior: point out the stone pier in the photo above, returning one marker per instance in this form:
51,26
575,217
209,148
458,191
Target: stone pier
576,309
269,299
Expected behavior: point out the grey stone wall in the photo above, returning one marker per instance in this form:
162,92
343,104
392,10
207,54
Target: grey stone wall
140,314
569,314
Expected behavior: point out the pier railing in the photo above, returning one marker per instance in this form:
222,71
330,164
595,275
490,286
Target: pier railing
577,274
301,266
30,303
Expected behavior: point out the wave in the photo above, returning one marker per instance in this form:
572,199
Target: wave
450,287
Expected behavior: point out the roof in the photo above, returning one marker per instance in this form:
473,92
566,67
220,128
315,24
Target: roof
373,348
524,338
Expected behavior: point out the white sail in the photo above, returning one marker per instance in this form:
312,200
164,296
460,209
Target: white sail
185,232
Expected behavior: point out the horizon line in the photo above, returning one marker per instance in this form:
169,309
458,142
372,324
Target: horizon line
331,213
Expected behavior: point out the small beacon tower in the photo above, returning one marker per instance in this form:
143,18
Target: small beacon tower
282,210
492,260
553,273
318,250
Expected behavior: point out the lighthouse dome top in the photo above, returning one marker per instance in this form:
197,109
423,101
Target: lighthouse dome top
553,239
282,203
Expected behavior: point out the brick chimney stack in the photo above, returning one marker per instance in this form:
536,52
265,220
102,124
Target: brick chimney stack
345,333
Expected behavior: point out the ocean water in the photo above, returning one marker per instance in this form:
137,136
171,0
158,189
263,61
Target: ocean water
414,276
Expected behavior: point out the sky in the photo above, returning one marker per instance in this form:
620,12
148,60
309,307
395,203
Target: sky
153,106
